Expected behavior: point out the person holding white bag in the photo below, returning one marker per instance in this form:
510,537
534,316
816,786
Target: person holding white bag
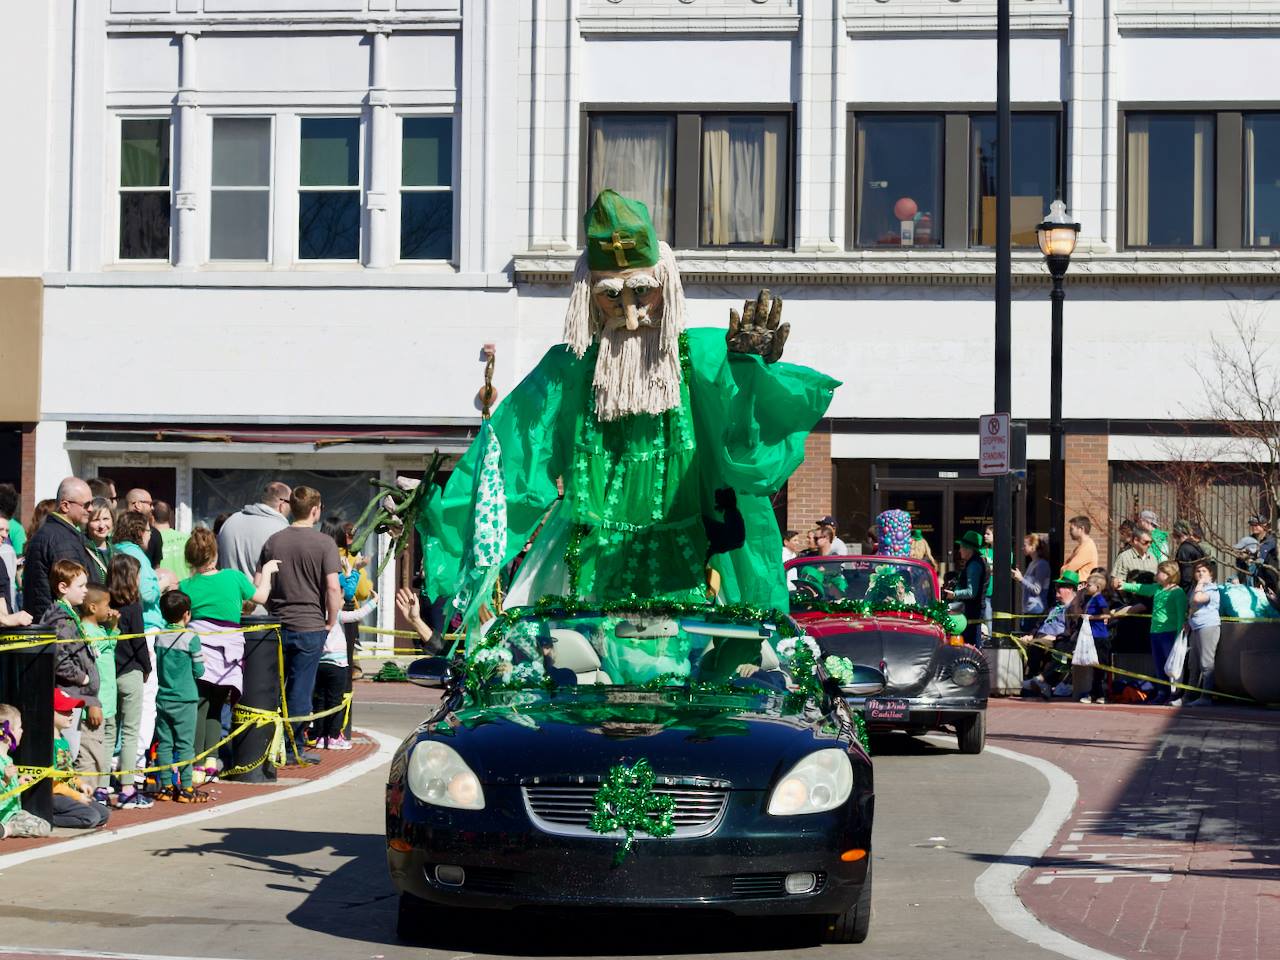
1205,626
1093,647
1168,616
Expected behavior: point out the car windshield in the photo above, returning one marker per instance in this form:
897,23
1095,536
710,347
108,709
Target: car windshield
633,649
874,579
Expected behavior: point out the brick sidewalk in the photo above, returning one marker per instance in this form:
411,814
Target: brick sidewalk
1173,850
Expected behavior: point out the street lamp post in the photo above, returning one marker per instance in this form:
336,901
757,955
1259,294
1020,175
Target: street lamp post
1057,238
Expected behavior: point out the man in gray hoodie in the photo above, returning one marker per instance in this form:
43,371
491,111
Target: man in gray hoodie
241,538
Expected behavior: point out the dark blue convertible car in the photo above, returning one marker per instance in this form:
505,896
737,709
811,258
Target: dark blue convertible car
660,756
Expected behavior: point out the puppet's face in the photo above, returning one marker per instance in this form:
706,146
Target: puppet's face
628,300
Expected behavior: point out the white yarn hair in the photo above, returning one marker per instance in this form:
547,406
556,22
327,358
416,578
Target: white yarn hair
635,372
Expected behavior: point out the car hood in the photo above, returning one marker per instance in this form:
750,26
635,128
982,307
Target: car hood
909,647
746,740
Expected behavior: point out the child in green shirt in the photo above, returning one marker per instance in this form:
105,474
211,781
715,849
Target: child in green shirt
14,821
179,663
1168,616
98,626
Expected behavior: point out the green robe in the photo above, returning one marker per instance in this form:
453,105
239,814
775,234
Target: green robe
640,492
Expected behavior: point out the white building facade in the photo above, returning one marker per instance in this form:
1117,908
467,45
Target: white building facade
249,239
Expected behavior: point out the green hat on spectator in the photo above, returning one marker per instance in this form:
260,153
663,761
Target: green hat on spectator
1069,578
971,539
620,234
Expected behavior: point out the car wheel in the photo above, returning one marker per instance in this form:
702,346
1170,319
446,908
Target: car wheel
415,918
854,924
971,733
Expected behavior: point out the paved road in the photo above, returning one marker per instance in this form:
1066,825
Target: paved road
306,878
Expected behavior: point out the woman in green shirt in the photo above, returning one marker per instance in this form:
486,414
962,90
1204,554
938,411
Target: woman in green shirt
1168,616
218,598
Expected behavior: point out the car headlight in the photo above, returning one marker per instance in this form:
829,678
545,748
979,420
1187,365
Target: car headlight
437,775
964,674
821,781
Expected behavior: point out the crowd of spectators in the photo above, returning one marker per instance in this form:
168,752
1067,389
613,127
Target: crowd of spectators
150,623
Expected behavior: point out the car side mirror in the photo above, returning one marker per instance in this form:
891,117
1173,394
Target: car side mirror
865,682
429,672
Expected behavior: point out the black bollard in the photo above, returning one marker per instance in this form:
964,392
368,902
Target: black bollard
261,690
26,682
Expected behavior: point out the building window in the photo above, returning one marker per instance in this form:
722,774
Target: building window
329,194
1036,176
1262,180
1169,180
898,180
744,181
240,197
635,154
708,179
426,188
144,189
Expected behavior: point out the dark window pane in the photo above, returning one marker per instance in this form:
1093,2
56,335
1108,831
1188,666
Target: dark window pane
144,225
144,153
744,181
635,154
241,152
1169,178
329,225
1035,176
1262,180
898,180
330,152
426,226
427,152
239,221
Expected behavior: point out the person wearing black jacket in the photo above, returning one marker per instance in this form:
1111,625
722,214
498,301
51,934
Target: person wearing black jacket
133,667
1187,537
971,588
59,538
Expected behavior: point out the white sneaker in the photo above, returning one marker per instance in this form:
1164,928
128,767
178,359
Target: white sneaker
1176,702
337,743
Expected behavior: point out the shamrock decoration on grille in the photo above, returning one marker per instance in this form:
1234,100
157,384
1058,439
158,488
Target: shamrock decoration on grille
627,801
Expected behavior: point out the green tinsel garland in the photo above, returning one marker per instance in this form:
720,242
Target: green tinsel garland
937,611
627,801
860,728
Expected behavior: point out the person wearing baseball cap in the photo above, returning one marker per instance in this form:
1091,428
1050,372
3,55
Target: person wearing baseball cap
838,546
73,803
972,586
1149,522
1048,671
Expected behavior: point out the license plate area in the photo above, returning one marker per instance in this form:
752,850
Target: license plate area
887,709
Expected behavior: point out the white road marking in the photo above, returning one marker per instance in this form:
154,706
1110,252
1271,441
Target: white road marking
94,954
995,886
386,747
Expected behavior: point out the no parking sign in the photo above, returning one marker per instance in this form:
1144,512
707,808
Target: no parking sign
993,445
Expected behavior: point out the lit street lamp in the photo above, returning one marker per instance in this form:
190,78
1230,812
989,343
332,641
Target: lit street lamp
1057,238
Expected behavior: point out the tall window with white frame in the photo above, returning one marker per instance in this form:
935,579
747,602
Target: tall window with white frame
144,189
240,196
426,188
329,189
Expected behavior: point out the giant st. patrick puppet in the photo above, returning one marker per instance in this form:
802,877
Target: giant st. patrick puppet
667,443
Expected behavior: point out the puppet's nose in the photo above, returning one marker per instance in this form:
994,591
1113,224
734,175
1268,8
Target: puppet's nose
633,317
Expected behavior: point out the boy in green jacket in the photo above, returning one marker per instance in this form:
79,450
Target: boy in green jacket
1168,615
179,663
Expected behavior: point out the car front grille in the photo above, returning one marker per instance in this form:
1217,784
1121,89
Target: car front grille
566,809
748,885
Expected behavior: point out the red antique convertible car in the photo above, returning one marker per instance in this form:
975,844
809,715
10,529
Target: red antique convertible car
886,612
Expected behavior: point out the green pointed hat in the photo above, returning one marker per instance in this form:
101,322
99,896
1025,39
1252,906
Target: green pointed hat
620,234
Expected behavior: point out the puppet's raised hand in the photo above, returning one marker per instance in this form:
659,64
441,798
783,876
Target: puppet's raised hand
758,329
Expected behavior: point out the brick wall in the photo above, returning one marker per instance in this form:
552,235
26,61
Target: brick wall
810,491
1089,487
28,471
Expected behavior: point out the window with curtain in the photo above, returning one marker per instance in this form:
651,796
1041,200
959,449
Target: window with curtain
634,154
240,194
1036,176
329,189
744,181
426,188
898,180
1262,179
144,189
1169,180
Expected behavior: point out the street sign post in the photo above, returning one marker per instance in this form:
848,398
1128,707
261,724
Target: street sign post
993,445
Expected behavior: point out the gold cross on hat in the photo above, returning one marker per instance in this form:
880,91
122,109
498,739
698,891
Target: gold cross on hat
620,244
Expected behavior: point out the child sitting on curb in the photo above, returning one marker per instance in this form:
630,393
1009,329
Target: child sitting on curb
14,821
179,663
73,802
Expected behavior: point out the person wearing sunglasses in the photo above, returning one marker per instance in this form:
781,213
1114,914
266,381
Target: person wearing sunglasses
60,537
1139,558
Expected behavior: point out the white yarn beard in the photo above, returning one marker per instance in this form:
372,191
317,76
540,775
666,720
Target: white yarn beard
635,374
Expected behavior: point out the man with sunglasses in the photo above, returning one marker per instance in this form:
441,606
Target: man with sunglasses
60,537
1139,558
